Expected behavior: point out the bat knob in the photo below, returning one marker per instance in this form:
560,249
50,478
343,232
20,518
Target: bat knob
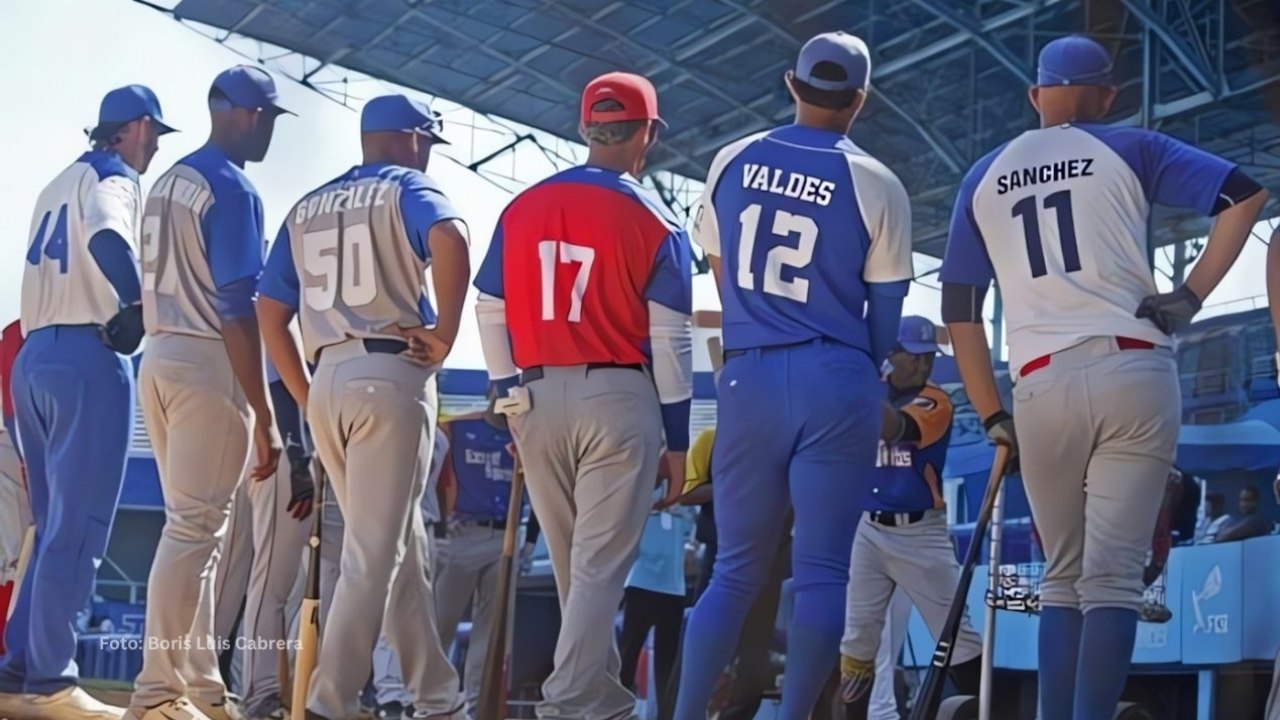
314,542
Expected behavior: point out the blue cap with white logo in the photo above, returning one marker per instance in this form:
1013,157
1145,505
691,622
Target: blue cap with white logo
834,61
397,113
246,86
126,104
918,335
1074,60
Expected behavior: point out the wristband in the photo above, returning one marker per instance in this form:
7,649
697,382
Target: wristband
996,418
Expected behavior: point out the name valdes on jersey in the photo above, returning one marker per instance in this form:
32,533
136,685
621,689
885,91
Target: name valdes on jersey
1058,216
795,214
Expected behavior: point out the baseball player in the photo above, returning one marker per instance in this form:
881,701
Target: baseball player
73,396
902,539
477,484
1058,218
17,503
10,343
584,312
810,241
203,390
350,262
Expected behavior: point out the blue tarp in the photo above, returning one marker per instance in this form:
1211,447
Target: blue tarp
1242,445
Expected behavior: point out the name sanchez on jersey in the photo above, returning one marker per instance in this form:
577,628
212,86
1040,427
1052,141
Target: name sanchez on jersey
796,186
1052,172
343,197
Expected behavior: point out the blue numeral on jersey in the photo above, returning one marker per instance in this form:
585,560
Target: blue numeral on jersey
1060,202
55,246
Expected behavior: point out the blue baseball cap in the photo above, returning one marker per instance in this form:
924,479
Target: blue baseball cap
397,113
126,104
1074,60
246,86
918,335
848,52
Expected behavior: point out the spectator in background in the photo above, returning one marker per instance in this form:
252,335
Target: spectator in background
1250,524
1184,518
1214,518
654,598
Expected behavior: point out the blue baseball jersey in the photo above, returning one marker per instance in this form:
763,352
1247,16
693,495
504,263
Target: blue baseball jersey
908,476
1058,218
352,255
202,234
659,564
804,222
483,469
61,282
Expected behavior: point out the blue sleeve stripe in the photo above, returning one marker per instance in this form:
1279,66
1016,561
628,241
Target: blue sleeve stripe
675,423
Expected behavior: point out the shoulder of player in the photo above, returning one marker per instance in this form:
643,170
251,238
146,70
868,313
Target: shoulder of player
621,185
727,153
219,173
107,165
871,174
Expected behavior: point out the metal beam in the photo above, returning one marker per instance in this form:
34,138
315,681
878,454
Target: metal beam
1190,60
940,144
980,36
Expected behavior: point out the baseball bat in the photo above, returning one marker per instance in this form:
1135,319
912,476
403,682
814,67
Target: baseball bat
309,616
930,695
492,704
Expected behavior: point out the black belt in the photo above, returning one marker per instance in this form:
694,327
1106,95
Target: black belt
892,519
378,346
730,354
491,523
537,372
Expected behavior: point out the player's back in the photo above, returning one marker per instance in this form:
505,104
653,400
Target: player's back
1062,213
361,269
61,282
182,254
583,243
797,211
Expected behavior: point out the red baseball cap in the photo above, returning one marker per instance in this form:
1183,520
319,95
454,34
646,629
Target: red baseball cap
636,95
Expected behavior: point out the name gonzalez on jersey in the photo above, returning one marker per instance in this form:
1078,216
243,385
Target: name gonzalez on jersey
343,197
797,185
1051,172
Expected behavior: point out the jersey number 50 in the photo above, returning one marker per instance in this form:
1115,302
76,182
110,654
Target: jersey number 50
780,256
348,252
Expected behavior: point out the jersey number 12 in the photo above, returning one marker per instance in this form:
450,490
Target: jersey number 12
1060,202
780,256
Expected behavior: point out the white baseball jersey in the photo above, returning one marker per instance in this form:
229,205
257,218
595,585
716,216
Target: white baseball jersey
61,282
1059,216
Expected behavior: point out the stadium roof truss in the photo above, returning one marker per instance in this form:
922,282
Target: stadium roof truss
949,76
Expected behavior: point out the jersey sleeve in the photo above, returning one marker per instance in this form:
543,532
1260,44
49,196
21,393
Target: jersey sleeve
112,204
279,279
671,280
965,260
886,211
932,412
1178,175
233,236
489,276
422,206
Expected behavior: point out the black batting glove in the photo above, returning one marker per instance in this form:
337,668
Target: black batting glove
302,490
1172,311
123,332
1000,431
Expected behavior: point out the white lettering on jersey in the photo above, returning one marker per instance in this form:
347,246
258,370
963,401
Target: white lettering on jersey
342,198
184,192
796,185
492,462
895,456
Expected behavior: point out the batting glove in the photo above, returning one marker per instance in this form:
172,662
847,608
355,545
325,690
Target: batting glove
302,490
123,332
1000,431
1171,311
856,678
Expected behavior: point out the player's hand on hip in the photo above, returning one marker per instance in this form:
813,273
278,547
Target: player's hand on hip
425,346
1172,311
675,479
302,491
267,448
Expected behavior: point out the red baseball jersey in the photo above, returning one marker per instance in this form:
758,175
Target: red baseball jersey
577,258
10,341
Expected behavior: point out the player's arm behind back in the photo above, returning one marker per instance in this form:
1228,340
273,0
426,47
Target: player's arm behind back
670,300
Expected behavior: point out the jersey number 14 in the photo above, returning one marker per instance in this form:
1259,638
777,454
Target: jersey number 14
50,243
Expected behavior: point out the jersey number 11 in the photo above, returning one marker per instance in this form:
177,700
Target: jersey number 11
1061,202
